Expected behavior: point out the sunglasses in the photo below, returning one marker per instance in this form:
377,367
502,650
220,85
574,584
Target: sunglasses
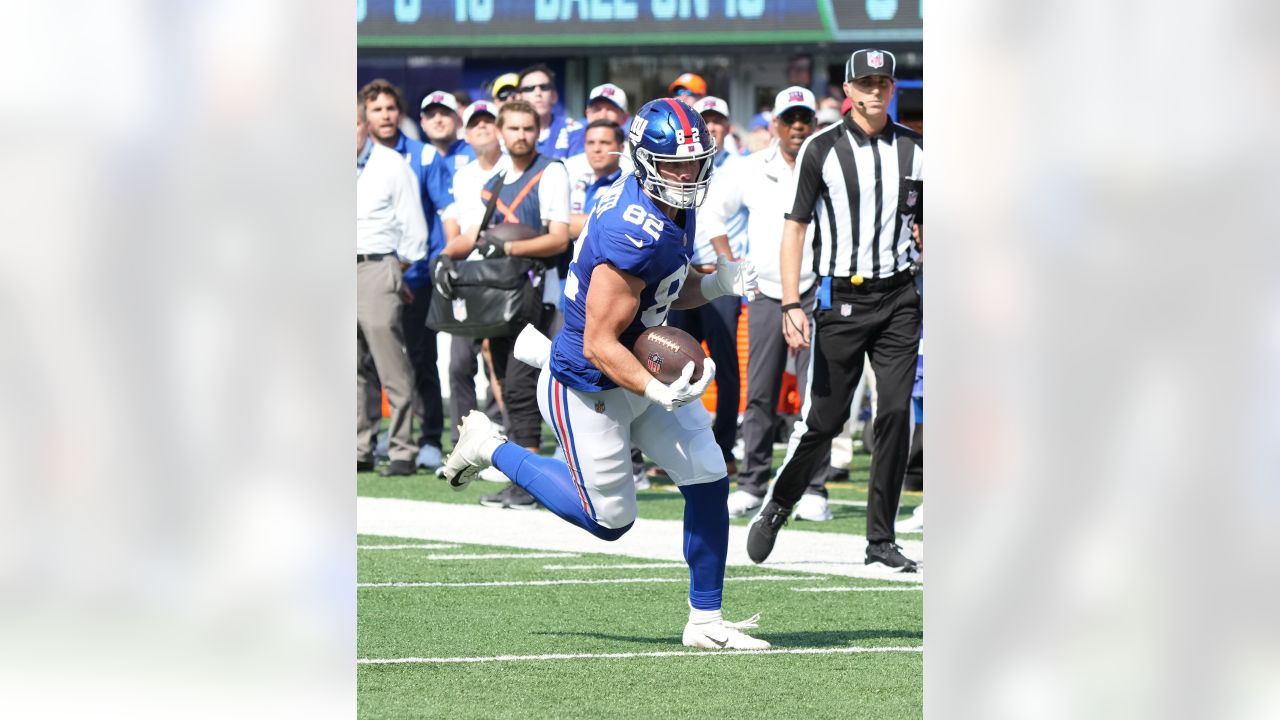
685,92
793,116
545,87
506,93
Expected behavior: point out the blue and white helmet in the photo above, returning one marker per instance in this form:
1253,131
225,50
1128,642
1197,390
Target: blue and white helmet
668,131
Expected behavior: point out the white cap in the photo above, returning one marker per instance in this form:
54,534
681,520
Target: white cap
440,97
479,106
610,92
711,103
794,96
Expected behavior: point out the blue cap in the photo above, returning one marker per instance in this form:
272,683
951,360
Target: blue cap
761,120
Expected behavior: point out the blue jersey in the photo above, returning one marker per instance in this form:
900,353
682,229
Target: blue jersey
629,231
564,137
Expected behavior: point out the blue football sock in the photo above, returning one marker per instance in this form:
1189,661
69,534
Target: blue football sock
706,541
550,481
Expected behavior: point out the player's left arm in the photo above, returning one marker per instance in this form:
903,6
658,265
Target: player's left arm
732,277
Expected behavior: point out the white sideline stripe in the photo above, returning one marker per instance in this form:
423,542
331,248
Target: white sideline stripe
580,581
661,654
850,503
890,588
423,546
502,556
808,552
618,566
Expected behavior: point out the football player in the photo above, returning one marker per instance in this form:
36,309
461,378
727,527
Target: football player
629,269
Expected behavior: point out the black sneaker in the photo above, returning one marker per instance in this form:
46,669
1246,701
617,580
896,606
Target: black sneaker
763,532
512,496
890,555
397,468
364,466
520,499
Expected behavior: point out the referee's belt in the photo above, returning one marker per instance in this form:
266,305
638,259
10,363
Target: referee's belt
371,257
858,283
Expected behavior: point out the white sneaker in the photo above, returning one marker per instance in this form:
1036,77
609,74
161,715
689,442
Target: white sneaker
493,475
913,524
642,481
477,439
429,457
812,507
743,503
721,635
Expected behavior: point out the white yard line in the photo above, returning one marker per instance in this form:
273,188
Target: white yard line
423,546
888,588
617,566
659,654
806,551
849,503
502,556
580,581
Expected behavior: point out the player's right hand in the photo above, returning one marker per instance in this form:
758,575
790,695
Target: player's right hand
795,328
681,392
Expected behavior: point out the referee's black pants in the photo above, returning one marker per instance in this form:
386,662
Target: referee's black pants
885,325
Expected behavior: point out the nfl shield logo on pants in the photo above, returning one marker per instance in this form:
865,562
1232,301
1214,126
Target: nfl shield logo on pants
846,310
875,59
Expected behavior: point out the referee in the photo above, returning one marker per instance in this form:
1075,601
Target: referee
858,183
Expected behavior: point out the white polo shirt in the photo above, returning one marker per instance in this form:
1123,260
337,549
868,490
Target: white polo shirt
765,189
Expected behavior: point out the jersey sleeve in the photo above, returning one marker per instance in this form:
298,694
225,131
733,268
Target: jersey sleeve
622,245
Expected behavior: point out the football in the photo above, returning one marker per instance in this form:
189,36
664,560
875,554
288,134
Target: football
664,351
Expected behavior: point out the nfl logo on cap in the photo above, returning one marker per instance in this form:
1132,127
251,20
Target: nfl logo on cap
875,59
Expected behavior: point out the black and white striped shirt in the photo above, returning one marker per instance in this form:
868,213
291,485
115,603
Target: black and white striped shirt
851,188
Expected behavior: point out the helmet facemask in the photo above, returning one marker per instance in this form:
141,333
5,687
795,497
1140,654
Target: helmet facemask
674,193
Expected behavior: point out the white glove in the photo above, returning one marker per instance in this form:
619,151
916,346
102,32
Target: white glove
730,278
680,393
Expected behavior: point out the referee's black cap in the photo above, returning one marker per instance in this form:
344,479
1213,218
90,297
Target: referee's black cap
868,62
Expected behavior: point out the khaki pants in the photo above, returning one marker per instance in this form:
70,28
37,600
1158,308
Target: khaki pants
380,338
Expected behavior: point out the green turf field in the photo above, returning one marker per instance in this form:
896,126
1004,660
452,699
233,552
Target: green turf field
480,641
438,623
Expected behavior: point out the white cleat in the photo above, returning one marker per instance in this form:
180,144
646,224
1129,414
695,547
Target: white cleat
493,475
743,503
478,437
721,635
813,508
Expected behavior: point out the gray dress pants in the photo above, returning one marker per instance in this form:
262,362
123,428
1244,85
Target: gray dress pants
380,339
766,362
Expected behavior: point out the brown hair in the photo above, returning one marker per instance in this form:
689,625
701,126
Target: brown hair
551,75
519,106
618,137
371,91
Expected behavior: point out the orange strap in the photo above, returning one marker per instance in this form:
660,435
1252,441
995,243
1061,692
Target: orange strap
510,211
